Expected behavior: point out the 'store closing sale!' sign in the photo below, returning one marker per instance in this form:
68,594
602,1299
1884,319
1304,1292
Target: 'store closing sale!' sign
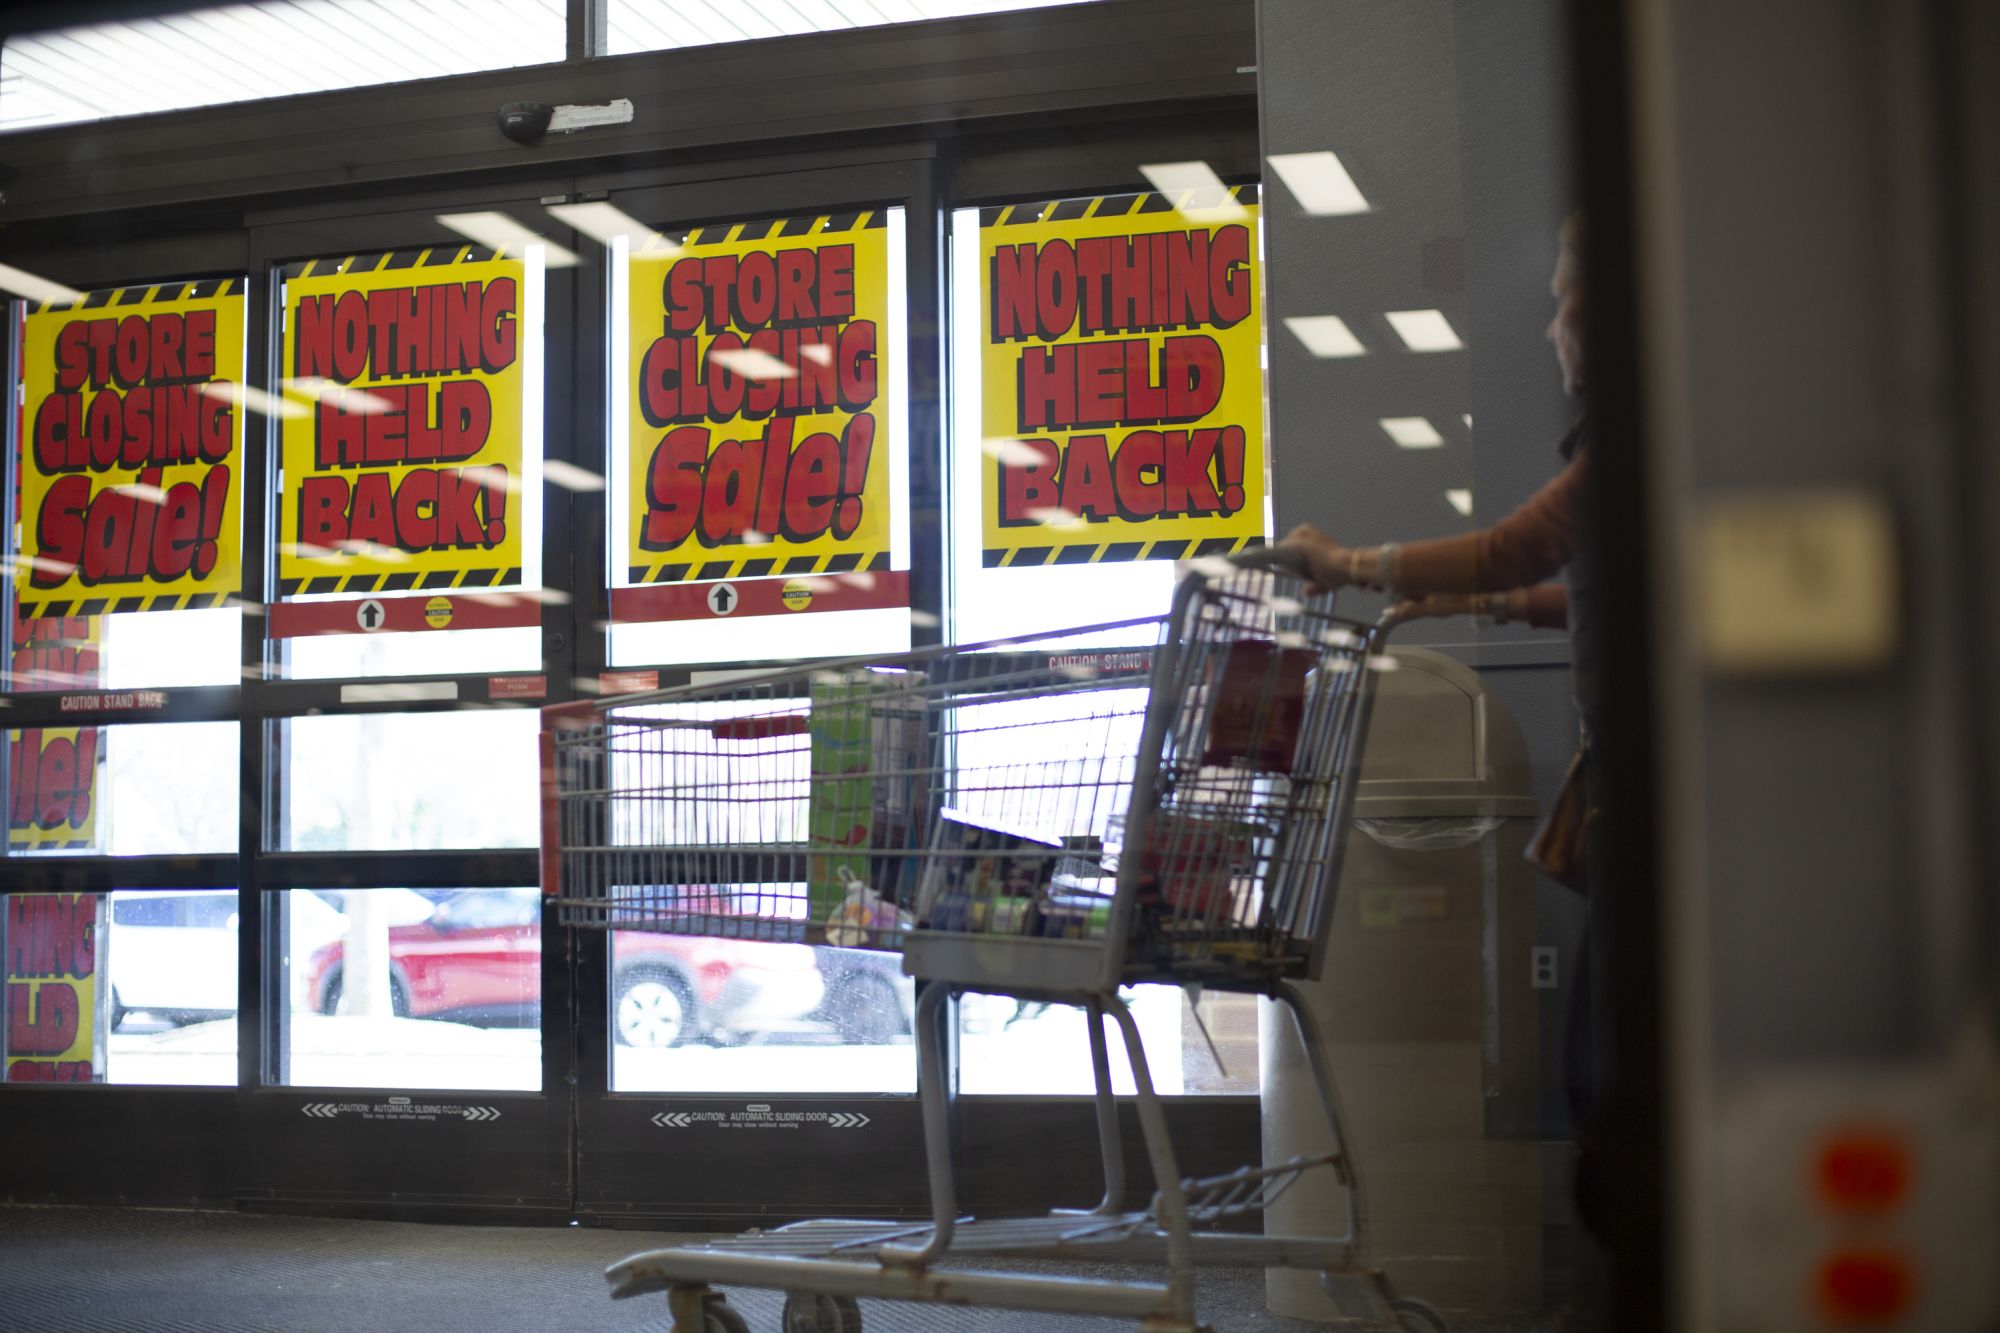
404,470
1122,394
131,443
758,392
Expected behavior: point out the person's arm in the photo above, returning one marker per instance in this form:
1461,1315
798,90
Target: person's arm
1524,548
1544,606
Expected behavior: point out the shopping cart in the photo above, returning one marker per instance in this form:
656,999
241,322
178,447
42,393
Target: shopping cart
1050,818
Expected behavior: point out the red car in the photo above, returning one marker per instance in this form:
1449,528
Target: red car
478,960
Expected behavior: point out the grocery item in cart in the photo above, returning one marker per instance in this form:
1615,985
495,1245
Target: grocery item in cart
1189,861
985,879
869,785
1258,690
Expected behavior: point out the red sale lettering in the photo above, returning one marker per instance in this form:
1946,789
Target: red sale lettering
52,780
826,368
449,328
51,935
125,534
52,653
719,495
1148,282
400,425
427,509
145,426
1150,475
50,1071
1121,382
128,351
792,287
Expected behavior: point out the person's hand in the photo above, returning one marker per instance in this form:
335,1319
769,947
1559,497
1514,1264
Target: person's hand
1326,560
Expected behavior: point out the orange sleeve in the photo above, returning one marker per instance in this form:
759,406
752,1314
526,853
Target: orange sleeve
1544,606
1527,546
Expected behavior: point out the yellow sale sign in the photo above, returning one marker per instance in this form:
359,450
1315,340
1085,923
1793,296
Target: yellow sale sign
51,972
131,441
759,439
403,462
1121,384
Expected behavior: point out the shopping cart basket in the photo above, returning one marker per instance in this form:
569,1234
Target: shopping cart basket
1049,818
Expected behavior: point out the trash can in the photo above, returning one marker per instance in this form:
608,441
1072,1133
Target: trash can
1428,1007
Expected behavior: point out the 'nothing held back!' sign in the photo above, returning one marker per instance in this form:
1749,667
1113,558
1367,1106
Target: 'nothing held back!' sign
1122,391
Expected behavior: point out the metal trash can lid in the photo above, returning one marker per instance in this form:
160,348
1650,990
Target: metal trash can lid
1441,742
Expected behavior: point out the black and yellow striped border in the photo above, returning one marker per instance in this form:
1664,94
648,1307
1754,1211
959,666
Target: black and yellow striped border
1017,557
118,606
776,229
756,567
1094,206
110,298
403,581
383,261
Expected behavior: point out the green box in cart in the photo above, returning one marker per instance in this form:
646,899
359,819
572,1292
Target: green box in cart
868,795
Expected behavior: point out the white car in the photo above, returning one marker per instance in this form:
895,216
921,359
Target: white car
172,954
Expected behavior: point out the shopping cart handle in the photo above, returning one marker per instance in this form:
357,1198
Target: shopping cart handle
1289,559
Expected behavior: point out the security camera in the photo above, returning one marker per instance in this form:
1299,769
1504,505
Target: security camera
525,122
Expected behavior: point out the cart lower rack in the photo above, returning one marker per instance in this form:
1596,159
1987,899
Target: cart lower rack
1050,818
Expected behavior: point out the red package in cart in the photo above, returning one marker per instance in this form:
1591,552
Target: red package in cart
1259,698
1190,861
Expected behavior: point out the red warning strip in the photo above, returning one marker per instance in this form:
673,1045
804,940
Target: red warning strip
731,598
391,615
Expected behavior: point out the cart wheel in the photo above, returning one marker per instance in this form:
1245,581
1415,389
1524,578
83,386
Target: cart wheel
814,1313
1416,1317
719,1316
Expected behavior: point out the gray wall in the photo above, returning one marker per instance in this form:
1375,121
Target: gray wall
1451,118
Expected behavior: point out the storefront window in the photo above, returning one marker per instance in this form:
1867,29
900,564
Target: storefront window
390,781
127,987
395,988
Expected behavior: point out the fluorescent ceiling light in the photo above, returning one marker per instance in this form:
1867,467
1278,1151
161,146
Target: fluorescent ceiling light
1424,330
503,235
492,477
1013,453
1052,515
269,404
363,549
1412,432
1468,421
1320,184
338,395
25,284
1461,500
1325,335
606,223
1197,191
571,477
753,363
